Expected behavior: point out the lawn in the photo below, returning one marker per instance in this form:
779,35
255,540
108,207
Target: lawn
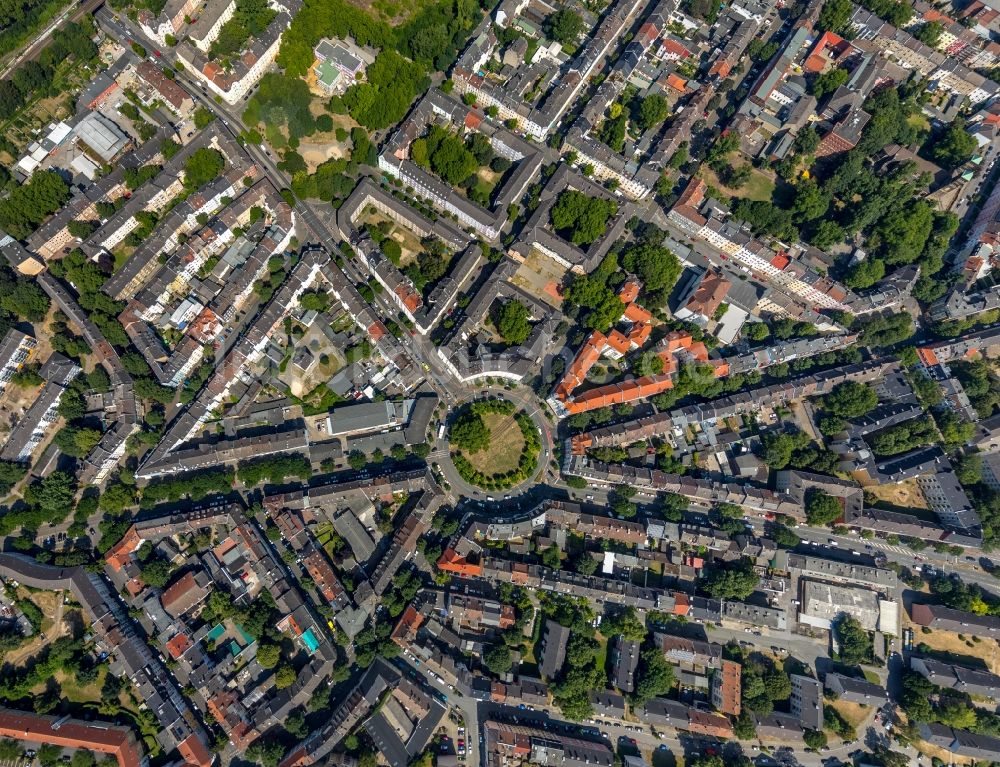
919,121
966,651
942,754
73,691
121,253
854,713
904,494
409,242
319,400
506,444
327,537
759,187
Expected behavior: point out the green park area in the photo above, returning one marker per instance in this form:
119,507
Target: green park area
493,445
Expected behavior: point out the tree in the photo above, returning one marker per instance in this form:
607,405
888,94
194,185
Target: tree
564,26
969,469
652,111
585,564
929,33
821,507
202,118
552,557
655,265
10,474
881,330
735,580
653,676
27,205
784,537
855,642
315,300
22,297
582,219
903,231
444,152
53,495
765,218
757,331
612,131
835,15
814,739
825,234
81,229
470,433
284,676
625,623
851,399
295,725
155,572
391,84
954,146
77,441
744,727
268,655
202,166
865,273
811,202
48,755
827,82
649,364
498,660
512,322
672,506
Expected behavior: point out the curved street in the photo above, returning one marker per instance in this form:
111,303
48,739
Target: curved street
524,399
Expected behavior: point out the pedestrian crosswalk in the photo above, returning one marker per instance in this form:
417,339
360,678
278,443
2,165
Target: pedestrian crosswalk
891,548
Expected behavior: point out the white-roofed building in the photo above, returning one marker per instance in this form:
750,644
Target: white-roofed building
84,166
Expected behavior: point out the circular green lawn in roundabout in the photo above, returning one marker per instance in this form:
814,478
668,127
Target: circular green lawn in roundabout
493,445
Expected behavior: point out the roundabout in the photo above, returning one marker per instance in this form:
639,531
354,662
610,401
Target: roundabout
493,445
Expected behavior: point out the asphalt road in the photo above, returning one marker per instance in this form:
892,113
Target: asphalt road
523,398
322,224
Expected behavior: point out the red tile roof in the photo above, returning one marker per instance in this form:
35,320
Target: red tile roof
179,645
101,737
119,554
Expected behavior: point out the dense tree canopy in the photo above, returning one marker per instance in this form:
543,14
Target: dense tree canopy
855,642
564,26
735,580
202,166
28,205
653,677
580,218
22,297
821,507
835,15
445,153
249,19
512,322
470,433
850,399
281,101
954,146
391,84
652,110
827,82
655,265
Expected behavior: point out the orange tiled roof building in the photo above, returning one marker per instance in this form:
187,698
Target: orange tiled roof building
677,347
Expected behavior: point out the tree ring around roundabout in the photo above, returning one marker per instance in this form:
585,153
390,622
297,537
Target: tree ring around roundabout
493,445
